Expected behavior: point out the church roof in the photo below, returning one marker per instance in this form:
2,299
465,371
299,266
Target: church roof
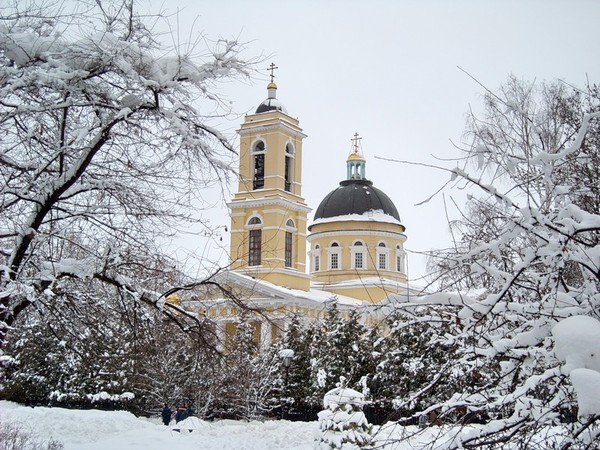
263,288
355,196
270,104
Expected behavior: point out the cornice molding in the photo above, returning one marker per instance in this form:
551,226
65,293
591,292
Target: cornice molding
357,232
254,271
250,128
260,202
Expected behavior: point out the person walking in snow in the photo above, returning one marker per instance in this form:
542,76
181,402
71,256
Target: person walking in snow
166,414
181,413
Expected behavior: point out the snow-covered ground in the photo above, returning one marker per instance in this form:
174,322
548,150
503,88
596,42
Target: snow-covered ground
118,430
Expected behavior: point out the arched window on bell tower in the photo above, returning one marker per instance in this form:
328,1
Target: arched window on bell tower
289,243
258,156
269,188
289,166
254,241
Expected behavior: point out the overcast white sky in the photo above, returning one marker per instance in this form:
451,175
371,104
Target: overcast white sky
388,70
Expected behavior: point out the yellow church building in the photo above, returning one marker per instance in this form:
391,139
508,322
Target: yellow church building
354,244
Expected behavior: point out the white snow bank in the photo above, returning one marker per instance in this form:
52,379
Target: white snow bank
586,382
186,426
87,426
577,343
119,430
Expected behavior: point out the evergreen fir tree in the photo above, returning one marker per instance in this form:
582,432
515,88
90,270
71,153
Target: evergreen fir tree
413,373
247,381
344,347
297,379
342,423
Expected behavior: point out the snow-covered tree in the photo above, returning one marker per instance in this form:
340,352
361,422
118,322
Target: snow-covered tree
342,346
71,352
296,378
170,366
577,345
106,145
246,379
526,258
342,423
413,371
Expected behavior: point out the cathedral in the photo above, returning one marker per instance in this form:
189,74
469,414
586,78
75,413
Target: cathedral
352,252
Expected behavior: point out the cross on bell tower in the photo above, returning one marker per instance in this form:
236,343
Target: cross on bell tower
272,68
268,213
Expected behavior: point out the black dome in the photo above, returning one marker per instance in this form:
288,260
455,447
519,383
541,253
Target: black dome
270,104
355,197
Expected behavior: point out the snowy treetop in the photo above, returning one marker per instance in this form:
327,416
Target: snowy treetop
65,59
342,396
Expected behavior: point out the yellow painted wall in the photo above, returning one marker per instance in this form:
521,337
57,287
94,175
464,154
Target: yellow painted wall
370,233
272,204
275,129
371,294
274,219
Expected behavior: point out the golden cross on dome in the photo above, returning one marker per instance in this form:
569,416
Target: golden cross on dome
272,68
355,142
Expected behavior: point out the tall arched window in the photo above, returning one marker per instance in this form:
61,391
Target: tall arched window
289,166
400,260
335,256
289,243
317,259
258,155
358,255
254,242
382,256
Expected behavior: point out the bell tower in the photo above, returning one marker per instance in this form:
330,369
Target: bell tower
268,213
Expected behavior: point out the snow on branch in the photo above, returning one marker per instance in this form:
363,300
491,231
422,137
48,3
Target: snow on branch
105,143
529,248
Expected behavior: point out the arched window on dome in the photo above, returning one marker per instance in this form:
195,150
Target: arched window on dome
400,260
289,243
317,258
258,156
335,256
254,241
358,261
289,166
382,256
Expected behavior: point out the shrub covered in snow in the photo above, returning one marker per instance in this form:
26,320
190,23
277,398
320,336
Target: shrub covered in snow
526,257
577,345
342,423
